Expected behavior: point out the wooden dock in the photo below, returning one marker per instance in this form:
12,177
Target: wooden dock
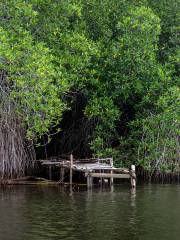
91,168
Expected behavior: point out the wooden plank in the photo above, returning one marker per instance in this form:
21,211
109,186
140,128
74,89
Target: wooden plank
108,175
83,168
50,163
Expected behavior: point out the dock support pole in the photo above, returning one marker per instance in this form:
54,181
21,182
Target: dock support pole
111,179
50,172
71,170
133,176
62,173
89,179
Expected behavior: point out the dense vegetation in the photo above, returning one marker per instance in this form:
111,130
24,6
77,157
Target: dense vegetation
103,73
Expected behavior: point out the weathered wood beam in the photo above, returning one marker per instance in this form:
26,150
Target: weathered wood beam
111,179
133,176
71,169
50,172
107,175
62,170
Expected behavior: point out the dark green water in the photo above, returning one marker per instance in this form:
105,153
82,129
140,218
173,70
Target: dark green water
49,213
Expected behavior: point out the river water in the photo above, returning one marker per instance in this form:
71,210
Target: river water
52,213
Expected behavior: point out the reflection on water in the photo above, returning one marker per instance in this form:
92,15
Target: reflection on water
51,213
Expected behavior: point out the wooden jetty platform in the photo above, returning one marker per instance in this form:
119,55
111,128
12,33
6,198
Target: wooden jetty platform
102,168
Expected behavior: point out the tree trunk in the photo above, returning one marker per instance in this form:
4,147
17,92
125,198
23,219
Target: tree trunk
16,154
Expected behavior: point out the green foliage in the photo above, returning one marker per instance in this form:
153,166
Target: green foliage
122,56
129,72
36,86
159,146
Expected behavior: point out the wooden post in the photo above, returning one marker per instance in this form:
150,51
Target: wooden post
100,180
62,174
89,179
71,169
133,176
50,172
111,179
